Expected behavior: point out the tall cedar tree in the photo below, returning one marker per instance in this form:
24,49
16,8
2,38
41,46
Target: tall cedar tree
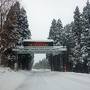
4,9
86,32
77,30
69,40
23,24
11,35
52,30
15,27
59,32
56,31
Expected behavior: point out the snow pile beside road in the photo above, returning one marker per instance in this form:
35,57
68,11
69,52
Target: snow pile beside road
4,70
10,80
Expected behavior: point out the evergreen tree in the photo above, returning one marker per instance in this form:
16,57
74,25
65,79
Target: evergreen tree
59,33
11,35
4,9
15,27
56,31
52,30
77,30
86,36
23,24
69,40
11,23
86,31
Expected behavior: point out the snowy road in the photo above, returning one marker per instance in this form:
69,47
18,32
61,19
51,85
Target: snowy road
43,80
40,80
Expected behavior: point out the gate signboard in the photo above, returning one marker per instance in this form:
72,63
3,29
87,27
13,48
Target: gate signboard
33,46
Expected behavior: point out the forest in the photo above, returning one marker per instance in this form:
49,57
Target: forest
76,37
14,28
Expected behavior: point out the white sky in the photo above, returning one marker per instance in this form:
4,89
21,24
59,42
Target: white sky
41,13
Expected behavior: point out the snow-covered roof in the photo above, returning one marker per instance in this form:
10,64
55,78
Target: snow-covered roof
32,40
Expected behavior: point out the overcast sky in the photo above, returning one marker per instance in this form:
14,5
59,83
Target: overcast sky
41,13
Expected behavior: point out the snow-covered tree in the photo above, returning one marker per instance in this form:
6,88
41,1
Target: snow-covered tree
77,30
52,30
10,34
14,28
86,32
56,31
4,9
23,24
59,33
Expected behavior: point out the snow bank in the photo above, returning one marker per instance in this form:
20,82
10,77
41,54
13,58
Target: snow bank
10,80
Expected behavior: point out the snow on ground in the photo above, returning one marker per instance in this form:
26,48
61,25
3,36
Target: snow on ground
43,80
9,79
